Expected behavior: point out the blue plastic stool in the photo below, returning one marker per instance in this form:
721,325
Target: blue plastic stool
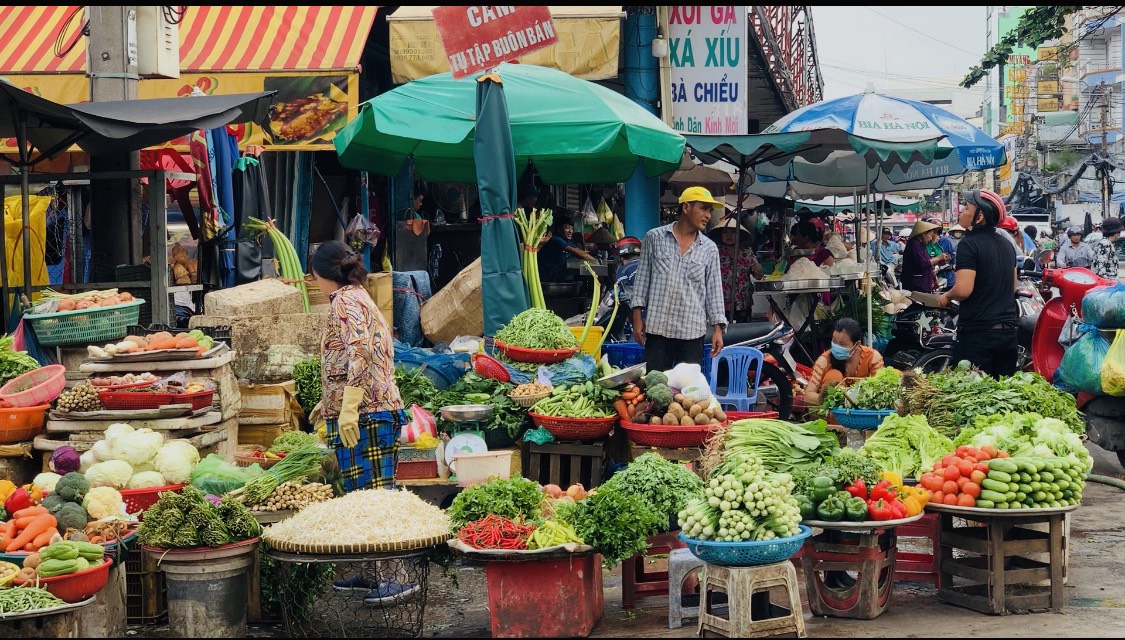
738,361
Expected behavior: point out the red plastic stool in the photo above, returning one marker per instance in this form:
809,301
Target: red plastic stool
636,582
916,566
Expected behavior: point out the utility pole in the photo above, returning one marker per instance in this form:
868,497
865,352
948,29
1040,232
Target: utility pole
112,70
1105,128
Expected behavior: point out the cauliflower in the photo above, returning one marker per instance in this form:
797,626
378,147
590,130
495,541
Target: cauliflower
137,447
111,473
146,466
103,502
119,429
146,480
46,481
175,460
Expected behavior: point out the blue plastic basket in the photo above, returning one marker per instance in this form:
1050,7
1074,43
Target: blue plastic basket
747,554
861,418
627,354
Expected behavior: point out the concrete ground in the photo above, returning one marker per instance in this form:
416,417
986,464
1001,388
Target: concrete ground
1095,595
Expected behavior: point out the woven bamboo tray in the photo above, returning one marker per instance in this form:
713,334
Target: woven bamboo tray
351,549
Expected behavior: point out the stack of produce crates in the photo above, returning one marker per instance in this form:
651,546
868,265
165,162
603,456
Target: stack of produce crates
146,594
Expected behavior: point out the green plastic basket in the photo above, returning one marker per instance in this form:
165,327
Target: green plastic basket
85,326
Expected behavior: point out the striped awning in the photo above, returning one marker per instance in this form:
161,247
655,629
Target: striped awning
212,38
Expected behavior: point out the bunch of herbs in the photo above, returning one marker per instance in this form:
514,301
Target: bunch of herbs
514,498
666,487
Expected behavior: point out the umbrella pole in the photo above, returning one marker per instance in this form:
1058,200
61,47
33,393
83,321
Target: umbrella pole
731,278
870,289
25,201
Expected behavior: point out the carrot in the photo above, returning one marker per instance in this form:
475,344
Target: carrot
628,395
30,511
38,526
9,530
43,539
23,522
622,409
639,399
95,539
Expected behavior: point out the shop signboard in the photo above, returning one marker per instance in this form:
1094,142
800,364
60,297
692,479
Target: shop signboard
707,47
477,38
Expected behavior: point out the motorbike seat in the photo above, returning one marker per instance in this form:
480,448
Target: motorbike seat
743,331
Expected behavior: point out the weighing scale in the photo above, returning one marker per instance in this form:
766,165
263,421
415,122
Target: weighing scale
469,436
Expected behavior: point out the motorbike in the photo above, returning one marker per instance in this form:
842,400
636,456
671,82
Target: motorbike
1104,415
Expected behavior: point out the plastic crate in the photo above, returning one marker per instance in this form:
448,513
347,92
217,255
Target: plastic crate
137,500
416,470
627,354
749,553
85,326
861,418
146,594
129,400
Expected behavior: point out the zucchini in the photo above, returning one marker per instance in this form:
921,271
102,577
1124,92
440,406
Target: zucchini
999,476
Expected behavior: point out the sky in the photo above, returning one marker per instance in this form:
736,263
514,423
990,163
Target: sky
895,46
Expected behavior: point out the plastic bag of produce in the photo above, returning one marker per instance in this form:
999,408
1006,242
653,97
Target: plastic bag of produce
1080,369
422,421
685,375
575,370
1104,307
538,435
217,476
1113,368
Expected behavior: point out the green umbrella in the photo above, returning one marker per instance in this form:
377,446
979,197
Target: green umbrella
502,286
572,130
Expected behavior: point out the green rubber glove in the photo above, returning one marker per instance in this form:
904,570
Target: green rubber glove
349,417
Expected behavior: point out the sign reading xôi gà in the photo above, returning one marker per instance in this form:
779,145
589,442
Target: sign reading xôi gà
479,38
707,47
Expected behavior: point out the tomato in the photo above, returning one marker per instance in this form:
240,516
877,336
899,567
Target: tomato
978,476
950,499
938,466
983,456
971,488
925,480
962,481
963,449
949,460
951,473
1001,454
982,467
950,486
990,450
965,467
937,497
965,500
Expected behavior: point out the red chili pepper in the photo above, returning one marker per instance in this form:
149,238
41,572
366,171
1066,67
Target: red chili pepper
496,532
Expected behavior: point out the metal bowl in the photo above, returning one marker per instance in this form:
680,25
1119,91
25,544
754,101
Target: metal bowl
624,377
467,412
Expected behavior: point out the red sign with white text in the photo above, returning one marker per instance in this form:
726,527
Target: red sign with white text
479,38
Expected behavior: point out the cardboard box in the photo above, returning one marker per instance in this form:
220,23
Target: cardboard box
379,288
268,403
266,347
261,434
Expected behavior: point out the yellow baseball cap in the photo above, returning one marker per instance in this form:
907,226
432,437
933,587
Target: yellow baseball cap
698,194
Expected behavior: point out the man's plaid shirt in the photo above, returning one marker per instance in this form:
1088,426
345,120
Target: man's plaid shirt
682,294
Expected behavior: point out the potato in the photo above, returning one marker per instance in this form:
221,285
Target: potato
671,420
719,415
701,418
677,409
680,398
31,561
655,420
695,410
686,421
709,412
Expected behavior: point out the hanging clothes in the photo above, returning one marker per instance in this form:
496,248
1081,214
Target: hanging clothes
210,224
225,147
251,200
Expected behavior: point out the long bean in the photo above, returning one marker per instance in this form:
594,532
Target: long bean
21,599
537,329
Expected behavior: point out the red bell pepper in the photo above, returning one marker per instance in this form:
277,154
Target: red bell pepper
857,488
19,500
880,510
897,508
883,490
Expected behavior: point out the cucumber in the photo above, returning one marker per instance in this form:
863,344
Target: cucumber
1035,477
1001,505
1013,487
1011,496
1003,464
1021,496
1025,477
1026,488
1062,484
986,504
992,496
1047,476
995,485
999,476
1040,496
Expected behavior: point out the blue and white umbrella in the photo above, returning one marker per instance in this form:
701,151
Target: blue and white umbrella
861,138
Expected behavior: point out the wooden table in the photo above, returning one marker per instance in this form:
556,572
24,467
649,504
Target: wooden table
997,576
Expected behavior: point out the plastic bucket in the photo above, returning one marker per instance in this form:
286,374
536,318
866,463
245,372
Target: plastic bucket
207,589
472,468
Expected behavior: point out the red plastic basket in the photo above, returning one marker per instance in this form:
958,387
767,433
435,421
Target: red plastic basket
746,415
490,367
126,400
36,387
416,470
76,587
137,500
571,429
668,436
535,356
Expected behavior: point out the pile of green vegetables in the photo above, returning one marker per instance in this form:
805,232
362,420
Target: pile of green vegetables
514,498
615,523
537,329
746,503
586,400
1027,434
843,467
306,374
13,601
290,440
14,363
907,445
783,447
188,519
952,400
415,387
666,487
878,392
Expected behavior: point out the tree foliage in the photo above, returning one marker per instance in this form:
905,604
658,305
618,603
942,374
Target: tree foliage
1036,26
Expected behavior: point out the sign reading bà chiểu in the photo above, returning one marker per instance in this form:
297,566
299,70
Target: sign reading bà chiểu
707,48
481,37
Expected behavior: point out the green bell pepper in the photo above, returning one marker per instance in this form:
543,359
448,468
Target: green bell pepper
831,510
821,488
808,509
856,509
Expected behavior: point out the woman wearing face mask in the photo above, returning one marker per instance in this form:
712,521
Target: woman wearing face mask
848,358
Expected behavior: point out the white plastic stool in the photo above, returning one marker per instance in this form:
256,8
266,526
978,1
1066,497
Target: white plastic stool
681,562
740,584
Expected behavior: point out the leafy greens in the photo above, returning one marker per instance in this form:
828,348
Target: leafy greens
906,445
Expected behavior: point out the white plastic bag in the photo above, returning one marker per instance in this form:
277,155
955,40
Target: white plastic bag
466,344
697,393
685,375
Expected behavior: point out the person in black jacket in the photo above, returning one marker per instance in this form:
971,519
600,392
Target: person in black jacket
986,288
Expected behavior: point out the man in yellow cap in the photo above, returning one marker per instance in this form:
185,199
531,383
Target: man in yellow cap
678,293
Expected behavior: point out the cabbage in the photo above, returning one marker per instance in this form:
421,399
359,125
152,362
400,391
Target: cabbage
137,447
101,451
86,460
111,473
146,480
144,466
64,460
175,460
119,429
46,481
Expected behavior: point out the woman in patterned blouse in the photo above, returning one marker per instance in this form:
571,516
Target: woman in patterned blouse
361,404
1105,262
